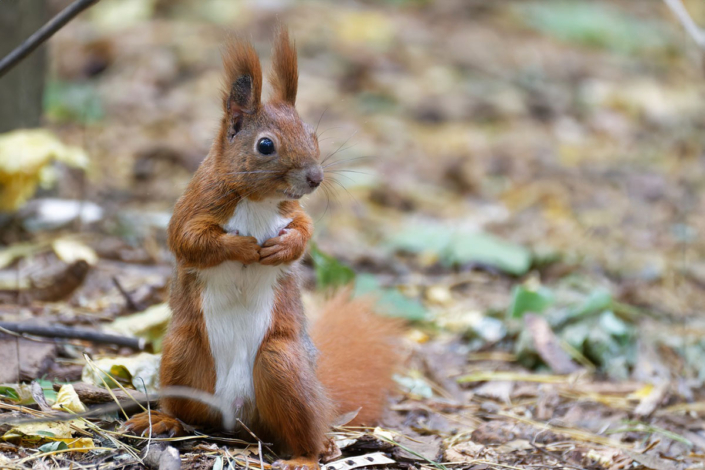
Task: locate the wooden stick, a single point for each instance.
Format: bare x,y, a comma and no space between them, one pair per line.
74,333
685,19
42,34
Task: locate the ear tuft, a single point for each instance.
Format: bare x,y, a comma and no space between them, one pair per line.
243,75
285,74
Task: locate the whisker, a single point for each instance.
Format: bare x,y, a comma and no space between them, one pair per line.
344,189
343,170
349,178
341,146
326,191
328,129
331,189
250,172
338,162
319,120
340,150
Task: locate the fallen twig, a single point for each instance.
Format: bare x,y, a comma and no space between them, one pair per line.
74,333
128,298
229,418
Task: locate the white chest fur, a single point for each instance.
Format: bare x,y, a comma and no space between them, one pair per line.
237,303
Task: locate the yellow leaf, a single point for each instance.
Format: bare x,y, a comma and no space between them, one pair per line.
25,159
149,324
37,432
642,393
70,251
18,250
83,444
67,399
140,371
418,336
385,435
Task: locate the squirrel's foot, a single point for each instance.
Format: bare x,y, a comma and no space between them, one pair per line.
297,463
331,451
162,424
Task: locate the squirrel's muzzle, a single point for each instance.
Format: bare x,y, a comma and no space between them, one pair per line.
304,180
314,176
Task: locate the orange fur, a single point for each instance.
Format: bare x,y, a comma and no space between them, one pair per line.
291,246
285,73
161,424
358,354
241,59
298,392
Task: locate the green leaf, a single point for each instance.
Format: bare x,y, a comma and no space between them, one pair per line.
458,246
53,446
73,102
330,272
488,249
594,24
526,300
9,392
613,325
605,340
576,335
48,389
422,238
390,302
600,299
45,433
414,384
121,372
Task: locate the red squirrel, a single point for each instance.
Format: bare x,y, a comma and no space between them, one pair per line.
238,329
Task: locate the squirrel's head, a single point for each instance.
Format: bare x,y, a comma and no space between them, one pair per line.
266,150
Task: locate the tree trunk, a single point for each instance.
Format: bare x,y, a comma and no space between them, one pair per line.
22,88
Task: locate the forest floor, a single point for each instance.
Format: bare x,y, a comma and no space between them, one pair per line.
521,181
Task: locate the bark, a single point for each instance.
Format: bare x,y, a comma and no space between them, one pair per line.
22,88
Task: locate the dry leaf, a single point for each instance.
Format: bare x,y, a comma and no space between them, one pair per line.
70,251
67,399
25,163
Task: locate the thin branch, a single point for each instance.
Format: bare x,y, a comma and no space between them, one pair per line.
42,34
131,304
74,333
222,406
689,25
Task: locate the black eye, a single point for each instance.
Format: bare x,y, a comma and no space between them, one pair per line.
265,146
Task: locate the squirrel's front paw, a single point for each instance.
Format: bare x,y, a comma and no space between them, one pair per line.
298,463
243,249
286,247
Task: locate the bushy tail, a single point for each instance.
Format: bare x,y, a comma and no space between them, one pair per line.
359,351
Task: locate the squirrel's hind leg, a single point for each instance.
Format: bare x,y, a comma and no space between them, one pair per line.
162,424
292,406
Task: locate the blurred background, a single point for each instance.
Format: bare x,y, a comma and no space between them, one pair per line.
521,180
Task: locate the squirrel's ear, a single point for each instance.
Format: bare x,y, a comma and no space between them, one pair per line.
285,74
243,84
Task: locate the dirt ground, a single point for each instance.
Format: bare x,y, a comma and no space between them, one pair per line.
521,181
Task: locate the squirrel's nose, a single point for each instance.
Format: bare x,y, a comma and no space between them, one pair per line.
314,177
